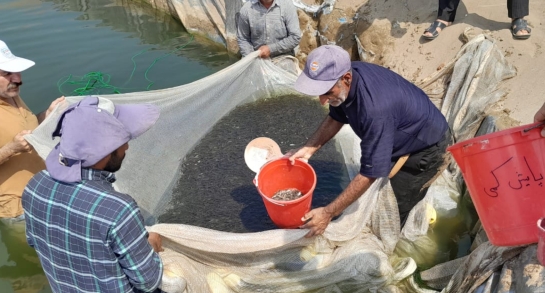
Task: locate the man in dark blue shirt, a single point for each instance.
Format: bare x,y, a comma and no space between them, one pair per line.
393,118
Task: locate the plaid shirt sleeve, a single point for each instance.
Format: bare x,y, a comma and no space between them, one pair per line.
129,241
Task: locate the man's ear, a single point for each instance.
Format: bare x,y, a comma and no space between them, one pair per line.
347,78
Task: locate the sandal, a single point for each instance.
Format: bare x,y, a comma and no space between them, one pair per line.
433,30
520,24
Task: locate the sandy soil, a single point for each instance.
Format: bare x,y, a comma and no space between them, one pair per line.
391,30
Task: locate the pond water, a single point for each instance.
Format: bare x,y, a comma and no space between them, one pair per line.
135,46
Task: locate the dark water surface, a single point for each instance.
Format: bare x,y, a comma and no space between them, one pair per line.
136,46
216,190
112,37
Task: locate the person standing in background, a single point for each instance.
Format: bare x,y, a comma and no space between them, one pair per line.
270,26
516,10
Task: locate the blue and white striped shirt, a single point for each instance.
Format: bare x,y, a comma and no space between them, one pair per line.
89,237
277,27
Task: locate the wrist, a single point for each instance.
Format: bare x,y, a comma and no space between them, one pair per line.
10,150
311,149
272,48
5,153
330,210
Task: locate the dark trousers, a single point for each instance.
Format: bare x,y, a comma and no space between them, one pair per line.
410,183
515,9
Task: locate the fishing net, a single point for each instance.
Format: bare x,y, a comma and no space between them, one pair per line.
357,252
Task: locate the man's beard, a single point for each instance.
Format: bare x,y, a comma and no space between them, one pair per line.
114,164
340,99
12,85
10,94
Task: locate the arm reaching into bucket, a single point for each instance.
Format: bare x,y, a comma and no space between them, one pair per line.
540,117
323,134
319,218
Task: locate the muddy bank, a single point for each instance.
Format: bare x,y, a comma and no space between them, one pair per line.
389,32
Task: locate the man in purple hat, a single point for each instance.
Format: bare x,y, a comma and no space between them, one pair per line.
89,237
393,118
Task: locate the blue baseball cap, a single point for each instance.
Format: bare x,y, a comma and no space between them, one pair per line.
92,129
324,66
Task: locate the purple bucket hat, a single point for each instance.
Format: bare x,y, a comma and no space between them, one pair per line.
92,129
324,66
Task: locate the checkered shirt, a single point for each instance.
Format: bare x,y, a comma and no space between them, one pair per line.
89,237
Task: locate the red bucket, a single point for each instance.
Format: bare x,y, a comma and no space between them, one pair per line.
541,242
504,172
278,175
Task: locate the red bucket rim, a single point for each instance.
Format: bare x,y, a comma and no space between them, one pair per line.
527,128
284,202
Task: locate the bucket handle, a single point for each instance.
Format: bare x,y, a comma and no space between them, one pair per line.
533,127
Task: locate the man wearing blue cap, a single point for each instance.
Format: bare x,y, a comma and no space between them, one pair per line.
393,118
89,237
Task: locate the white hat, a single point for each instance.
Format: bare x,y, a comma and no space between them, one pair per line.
12,63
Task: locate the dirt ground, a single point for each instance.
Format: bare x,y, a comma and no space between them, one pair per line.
390,30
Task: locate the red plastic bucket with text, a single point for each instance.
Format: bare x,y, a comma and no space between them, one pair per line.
279,175
504,172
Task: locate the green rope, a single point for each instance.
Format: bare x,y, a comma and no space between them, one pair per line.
96,82
90,83
155,61
134,66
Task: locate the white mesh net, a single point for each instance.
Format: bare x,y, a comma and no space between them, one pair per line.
356,252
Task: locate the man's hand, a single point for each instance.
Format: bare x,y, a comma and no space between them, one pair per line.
540,117
53,105
154,240
41,117
264,51
302,154
319,219
19,144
